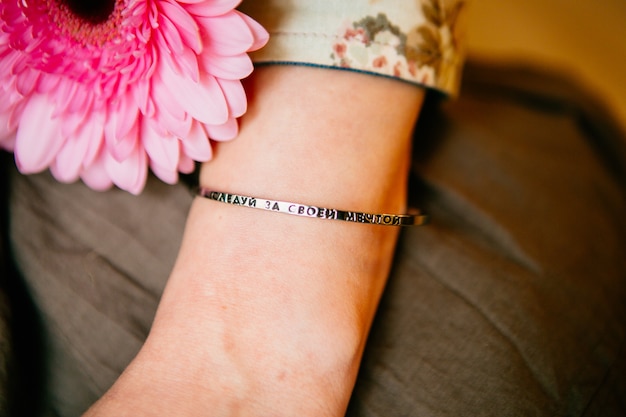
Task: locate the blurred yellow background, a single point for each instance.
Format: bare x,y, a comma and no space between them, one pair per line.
585,39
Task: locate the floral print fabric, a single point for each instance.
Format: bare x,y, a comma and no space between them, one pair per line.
413,40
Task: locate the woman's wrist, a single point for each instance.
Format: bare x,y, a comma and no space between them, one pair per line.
266,314
321,137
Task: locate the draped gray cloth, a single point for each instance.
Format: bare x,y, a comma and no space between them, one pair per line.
512,302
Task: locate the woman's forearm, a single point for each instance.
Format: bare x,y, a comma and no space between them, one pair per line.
264,313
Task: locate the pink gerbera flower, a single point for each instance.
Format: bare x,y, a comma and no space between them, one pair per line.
101,90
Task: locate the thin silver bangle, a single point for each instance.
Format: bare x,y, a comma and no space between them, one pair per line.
303,210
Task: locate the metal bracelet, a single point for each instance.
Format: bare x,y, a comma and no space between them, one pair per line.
304,210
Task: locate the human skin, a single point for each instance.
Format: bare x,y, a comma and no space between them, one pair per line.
267,314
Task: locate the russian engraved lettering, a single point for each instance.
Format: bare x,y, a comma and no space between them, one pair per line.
313,211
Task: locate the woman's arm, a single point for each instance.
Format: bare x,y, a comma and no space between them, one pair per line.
264,313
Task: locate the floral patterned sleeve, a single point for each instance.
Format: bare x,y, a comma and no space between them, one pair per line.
413,40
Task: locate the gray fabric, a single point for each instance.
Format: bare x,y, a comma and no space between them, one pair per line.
6,353
511,303
96,264
6,337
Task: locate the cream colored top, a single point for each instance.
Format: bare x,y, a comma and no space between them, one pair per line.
413,40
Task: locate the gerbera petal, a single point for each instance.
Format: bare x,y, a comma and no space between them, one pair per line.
223,132
64,93
95,174
39,140
203,100
104,102
68,164
124,116
9,98
187,61
129,174
233,67
184,24
79,150
120,147
81,101
141,95
5,129
15,115
171,39
169,117
168,176
165,100
178,128
7,135
258,32
62,173
48,83
7,141
9,60
71,123
162,150
27,81
196,144
210,7
93,130
186,165
73,120
228,34
235,96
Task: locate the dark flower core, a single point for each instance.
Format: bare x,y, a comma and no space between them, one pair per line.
92,11
88,22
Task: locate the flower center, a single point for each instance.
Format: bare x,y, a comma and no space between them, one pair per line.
92,22
93,11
